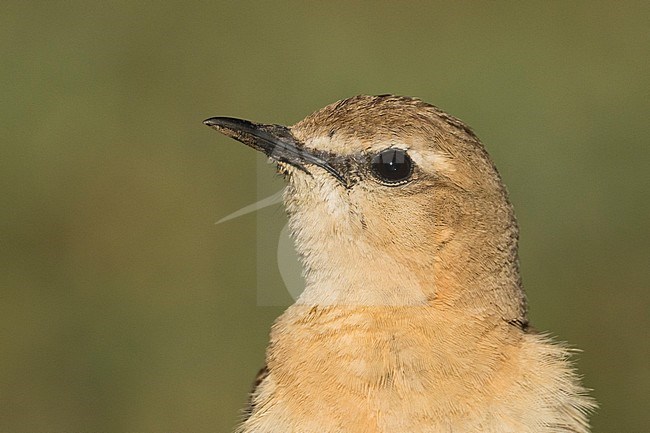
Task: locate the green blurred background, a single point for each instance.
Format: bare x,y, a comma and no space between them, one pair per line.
126,309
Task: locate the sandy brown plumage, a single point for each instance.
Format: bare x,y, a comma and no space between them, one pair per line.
413,318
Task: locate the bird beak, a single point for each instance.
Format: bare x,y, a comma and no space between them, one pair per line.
275,141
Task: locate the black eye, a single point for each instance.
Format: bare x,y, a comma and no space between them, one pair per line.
392,166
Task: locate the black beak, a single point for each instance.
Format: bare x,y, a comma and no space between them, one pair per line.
276,141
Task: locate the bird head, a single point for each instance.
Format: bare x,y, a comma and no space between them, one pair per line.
391,201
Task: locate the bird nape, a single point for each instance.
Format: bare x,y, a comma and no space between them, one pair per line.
413,317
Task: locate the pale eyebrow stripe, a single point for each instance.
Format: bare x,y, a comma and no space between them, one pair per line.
429,159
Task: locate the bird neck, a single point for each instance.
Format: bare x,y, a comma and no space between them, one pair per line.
462,276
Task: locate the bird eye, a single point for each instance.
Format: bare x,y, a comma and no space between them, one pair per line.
392,166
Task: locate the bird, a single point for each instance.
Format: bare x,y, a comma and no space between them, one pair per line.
413,317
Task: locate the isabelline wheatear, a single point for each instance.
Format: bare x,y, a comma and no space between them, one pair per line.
413,318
